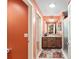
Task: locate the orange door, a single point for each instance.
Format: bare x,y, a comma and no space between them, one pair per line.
17,25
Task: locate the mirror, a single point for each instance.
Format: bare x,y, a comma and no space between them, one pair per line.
59,27
51,27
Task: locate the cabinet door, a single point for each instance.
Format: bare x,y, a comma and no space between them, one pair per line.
59,42
51,42
44,42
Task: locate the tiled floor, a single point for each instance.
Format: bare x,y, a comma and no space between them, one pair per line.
51,53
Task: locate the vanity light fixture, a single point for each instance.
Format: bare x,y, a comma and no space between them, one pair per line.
51,20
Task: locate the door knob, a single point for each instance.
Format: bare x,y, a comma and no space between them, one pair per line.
8,50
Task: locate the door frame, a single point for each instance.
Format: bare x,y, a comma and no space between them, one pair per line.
30,28
40,44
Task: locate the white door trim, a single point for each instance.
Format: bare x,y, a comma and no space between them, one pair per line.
30,29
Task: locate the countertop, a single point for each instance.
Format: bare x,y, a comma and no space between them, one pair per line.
53,35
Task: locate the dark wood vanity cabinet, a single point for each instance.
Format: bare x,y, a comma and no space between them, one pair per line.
51,42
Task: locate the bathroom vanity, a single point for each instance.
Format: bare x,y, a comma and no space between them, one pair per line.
52,42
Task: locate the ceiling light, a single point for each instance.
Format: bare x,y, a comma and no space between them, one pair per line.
51,5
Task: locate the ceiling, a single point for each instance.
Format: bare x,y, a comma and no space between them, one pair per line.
60,5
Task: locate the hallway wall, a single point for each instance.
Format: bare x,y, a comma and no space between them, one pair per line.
36,43
17,22
66,35
44,27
